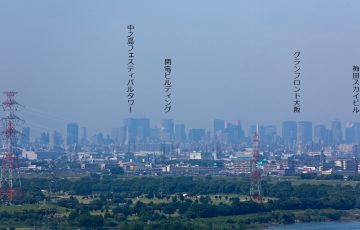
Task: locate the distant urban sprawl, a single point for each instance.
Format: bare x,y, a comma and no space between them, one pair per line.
138,148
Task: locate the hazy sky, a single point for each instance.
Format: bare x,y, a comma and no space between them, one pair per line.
231,60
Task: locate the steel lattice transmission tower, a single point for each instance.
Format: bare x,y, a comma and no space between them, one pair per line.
10,183
255,175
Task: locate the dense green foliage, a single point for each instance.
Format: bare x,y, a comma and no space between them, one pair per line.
118,201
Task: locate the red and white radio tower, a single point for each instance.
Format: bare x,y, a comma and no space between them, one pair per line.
255,176
10,179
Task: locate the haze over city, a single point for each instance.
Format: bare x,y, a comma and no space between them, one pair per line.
230,61
179,115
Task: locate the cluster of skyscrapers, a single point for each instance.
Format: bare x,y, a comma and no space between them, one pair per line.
137,134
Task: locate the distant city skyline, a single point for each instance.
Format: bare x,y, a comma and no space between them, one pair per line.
291,131
233,61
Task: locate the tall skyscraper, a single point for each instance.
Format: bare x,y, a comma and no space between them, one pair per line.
137,130
122,135
320,135
240,131
352,133
130,130
267,135
143,130
25,137
349,133
99,139
57,139
155,135
233,133
196,135
45,139
219,126
304,132
167,129
83,139
336,132
180,134
289,132
72,137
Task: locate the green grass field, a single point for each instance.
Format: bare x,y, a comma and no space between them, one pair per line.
30,207
296,181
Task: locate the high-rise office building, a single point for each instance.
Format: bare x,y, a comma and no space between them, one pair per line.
304,132
167,129
180,134
196,135
72,137
83,139
57,139
336,132
44,139
352,133
155,135
137,130
25,137
143,129
349,133
267,135
99,139
289,132
240,131
320,135
219,126
233,133
122,135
